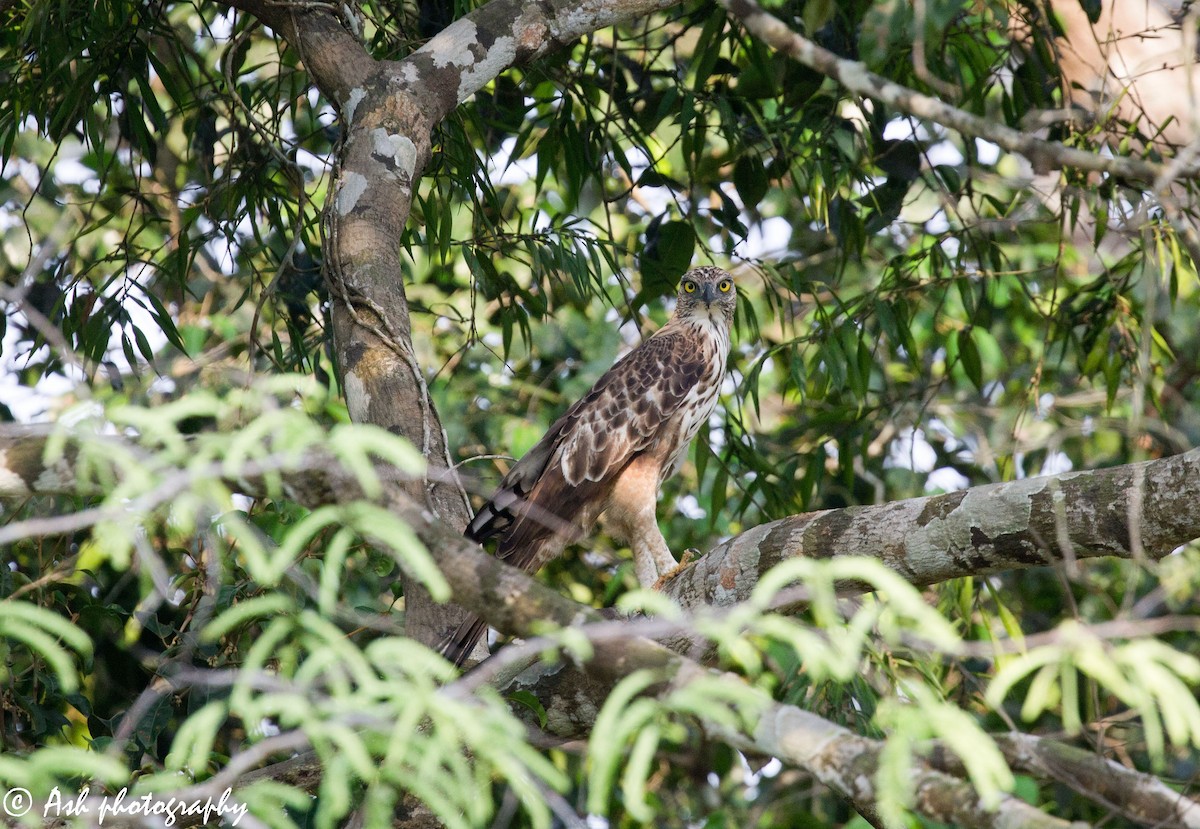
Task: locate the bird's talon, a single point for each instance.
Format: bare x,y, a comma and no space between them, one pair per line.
685,561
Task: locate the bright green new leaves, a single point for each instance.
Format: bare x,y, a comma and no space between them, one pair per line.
1152,678
58,766
833,642
188,480
639,717
623,718
265,580
378,718
193,744
913,718
833,645
358,519
47,635
360,446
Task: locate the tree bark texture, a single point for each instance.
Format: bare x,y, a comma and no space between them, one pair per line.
1127,511
1135,510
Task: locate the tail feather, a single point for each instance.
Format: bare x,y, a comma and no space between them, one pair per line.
459,645
495,516
534,525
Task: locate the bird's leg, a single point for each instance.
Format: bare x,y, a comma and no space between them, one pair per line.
643,567
664,559
630,516
652,559
651,555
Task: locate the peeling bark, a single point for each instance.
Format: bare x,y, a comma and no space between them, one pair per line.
1146,508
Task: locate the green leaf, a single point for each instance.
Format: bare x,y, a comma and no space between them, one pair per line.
666,255
527,700
268,605
750,179
604,745
968,355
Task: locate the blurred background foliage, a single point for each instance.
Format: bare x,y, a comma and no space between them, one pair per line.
919,312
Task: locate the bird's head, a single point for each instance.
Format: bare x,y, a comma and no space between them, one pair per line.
707,292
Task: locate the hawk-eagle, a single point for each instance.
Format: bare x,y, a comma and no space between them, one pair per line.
611,451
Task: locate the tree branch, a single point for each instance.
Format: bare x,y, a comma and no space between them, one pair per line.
854,76
1147,506
333,57
1140,797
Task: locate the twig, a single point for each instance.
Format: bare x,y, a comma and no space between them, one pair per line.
1042,154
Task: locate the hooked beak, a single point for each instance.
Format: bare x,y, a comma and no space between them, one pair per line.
709,294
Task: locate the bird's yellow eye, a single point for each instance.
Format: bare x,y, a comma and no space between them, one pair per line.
689,286
724,286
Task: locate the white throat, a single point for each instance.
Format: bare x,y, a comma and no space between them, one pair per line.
710,322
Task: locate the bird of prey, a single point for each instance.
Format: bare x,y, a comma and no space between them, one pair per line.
611,451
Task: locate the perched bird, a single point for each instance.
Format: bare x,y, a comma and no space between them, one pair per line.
614,447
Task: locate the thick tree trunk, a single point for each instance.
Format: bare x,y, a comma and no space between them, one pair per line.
388,111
